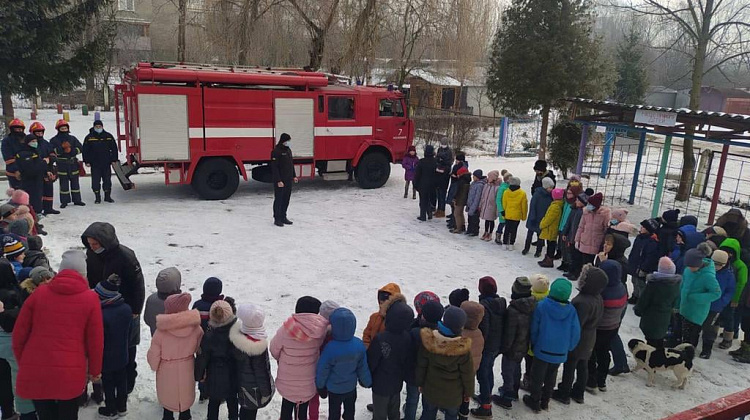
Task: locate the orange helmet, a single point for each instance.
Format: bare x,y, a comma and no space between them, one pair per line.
61,123
36,126
17,123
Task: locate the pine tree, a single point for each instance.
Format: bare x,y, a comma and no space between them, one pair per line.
50,45
632,82
543,51
565,137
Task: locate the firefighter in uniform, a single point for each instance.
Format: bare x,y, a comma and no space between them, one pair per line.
99,151
67,148
13,143
282,168
34,167
46,152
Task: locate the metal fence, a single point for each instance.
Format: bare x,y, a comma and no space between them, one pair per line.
611,169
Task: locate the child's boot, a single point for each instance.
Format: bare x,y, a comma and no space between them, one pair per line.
743,348
535,406
727,340
499,238
706,352
547,262
560,397
484,411
97,396
526,382
503,401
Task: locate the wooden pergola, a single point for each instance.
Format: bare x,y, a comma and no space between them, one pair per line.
714,127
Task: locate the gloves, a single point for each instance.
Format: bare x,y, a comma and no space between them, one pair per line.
114,279
323,393
502,213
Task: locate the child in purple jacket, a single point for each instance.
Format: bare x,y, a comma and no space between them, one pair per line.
409,163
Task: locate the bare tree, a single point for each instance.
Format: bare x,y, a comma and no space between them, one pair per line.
411,24
716,33
318,16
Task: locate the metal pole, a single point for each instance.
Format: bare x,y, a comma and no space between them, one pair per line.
582,148
717,187
662,176
638,160
501,138
606,154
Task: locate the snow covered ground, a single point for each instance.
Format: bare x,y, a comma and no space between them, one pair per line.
346,243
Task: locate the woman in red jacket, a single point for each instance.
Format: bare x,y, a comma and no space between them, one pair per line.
57,339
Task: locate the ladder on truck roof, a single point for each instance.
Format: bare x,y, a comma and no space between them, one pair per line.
190,73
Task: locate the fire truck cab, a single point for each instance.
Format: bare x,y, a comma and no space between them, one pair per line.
207,125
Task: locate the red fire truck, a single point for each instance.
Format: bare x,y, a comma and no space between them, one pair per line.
206,126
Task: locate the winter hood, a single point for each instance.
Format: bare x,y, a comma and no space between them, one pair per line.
733,222
556,310
436,343
69,282
343,324
734,245
663,278
592,281
306,327
614,289
103,232
246,344
525,305
621,243
180,324
474,314
395,297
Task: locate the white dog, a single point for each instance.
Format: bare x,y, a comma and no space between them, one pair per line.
678,359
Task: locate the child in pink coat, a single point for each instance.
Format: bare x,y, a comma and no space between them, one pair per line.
296,346
173,346
592,229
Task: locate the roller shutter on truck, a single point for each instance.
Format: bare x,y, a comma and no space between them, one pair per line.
163,124
295,117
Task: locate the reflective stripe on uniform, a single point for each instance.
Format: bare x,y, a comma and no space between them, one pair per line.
75,191
64,192
75,173
47,198
10,161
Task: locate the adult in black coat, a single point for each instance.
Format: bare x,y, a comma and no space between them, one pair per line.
46,153
492,331
33,166
444,161
104,257
13,143
389,358
424,182
540,168
589,306
282,170
216,363
11,297
668,232
99,151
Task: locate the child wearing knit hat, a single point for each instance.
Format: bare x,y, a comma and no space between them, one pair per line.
644,257
549,227
660,294
727,283
698,290
251,360
429,313
14,251
492,330
515,341
173,346
515,209
117,317
555,331
213,365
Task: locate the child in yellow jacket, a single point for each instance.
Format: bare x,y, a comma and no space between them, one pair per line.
549,227
515,209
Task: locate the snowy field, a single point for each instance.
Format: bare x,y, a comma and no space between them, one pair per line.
346,243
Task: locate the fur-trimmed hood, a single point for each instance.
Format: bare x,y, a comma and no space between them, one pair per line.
395,297
180,324
434,342
28,286
245,344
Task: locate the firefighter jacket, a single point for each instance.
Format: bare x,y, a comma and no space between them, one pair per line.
99,149
11,145
66,148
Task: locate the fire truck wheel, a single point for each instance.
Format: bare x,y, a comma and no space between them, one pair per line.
373,170
216,179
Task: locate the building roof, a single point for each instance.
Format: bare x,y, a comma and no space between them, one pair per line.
435,79
708,124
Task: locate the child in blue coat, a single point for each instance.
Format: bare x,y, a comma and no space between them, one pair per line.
727,284
472,204
555,331
342,363
117,316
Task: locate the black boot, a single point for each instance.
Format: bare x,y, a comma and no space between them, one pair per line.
63,205
535,406
97,395
97,198
706,352
108,197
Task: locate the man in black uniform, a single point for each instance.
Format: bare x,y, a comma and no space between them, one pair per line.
13,143
99,151
282,168
46,152
105,257
34,167
67,148
424,182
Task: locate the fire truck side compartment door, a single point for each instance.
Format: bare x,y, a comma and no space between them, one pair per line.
163,122
295,117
